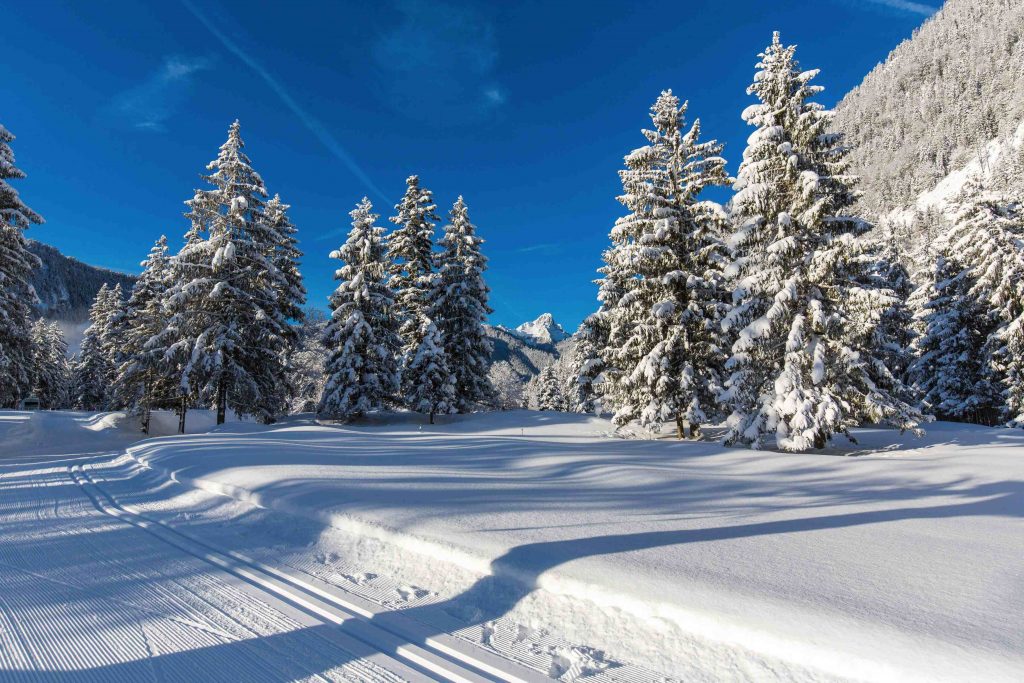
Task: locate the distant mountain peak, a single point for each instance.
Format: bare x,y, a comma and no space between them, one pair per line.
544,330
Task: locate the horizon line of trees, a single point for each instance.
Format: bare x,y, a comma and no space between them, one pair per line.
782,312
221,323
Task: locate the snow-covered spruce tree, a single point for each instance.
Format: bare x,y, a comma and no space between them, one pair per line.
95,370
799,368
970,364
227,334
585,365
411,267
360,338
143,381
51,374
291,295
664,327
950,371
459,309
430,380
549,390
16,294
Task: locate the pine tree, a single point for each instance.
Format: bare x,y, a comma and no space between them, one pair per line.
51,374
664,349
16,294
411,256
291,293
360,337
430,380
142,379
950,371
95,369
585,365
799,368
970,365
459,309
227,334
549,391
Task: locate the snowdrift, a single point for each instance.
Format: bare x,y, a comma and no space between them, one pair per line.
697,560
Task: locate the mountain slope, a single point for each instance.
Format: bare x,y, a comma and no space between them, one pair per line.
936,102
66,287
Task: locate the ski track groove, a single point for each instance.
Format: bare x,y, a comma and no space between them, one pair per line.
78,619
297,592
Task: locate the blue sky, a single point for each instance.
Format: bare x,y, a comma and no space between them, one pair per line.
526,108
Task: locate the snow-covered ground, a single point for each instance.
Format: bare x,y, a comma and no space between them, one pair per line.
500,544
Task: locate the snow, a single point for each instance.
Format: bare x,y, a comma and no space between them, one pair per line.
543,330
689,559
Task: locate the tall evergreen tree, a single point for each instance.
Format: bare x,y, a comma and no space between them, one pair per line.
411,256
143,381
585,365
799,368
16,294
549,391
459,308
664,348
970,363
95,369
360,337
229,331
431,382
51,374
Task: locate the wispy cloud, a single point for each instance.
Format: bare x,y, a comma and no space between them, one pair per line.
904,6
546,248
438,61
308,120
151,104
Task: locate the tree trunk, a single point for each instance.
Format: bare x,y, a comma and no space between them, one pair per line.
222,399
431,417
181,415
680,429
695,430
145,408
819,440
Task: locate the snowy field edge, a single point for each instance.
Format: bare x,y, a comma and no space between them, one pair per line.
666,634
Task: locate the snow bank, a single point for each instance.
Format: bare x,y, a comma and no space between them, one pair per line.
697,560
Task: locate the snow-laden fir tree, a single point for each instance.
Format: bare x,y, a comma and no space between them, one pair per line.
411,268
459,309
16,294
51,373
360,338
549,390
950,370
431,383
800,371
143,381
96,369
585,365
970,364
291,295
227,334
664,340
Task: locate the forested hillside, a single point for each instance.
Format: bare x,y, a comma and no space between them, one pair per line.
66,287
932,106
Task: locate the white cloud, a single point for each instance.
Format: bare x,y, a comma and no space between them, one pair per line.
149,105
905,6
